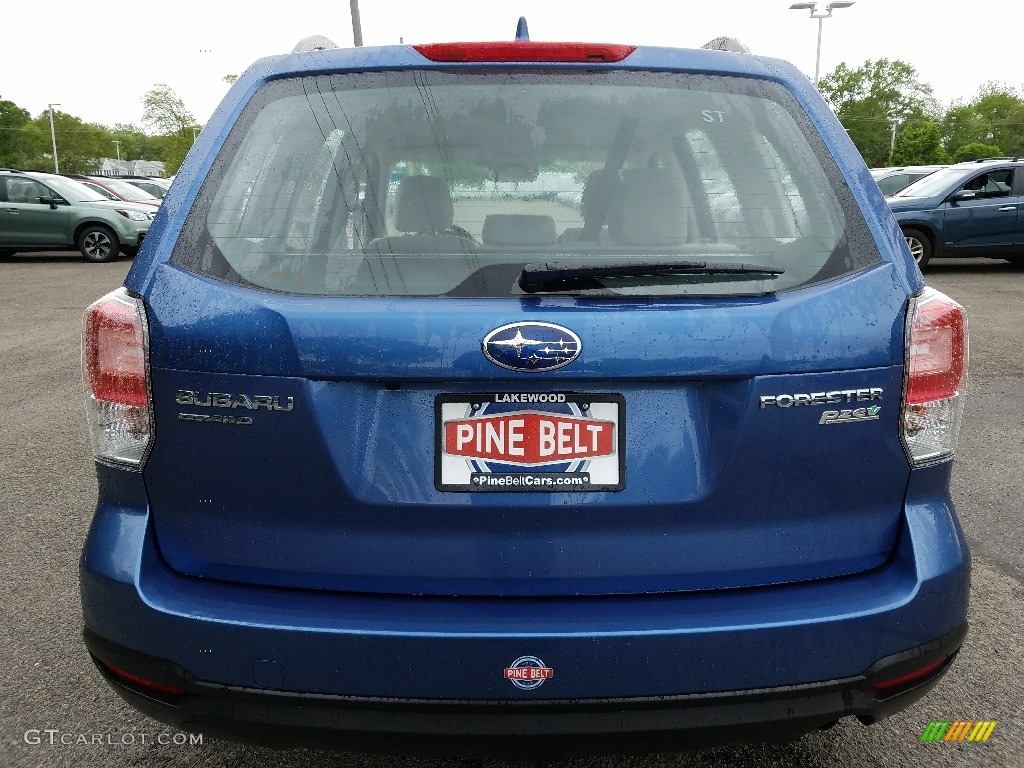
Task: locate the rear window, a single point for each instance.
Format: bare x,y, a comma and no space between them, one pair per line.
890,185
435,183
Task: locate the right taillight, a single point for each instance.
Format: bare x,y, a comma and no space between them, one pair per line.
936,375
116,378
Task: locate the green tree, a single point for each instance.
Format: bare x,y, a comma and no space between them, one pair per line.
80,145
976,151
1002,108
136,144
920,144
20,141
962,125
873,98
994,117
165,114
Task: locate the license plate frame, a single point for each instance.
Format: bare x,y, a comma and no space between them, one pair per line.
584,432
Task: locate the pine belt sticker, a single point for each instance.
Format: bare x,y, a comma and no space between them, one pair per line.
528,672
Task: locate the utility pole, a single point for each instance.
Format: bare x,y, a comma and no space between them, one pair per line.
53,138
357,29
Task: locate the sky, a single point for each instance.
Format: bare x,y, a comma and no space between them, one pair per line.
98,59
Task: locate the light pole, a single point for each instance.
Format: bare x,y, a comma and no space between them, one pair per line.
117,146
53,138
357,27
820,16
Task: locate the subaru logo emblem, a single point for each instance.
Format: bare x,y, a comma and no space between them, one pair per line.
531,347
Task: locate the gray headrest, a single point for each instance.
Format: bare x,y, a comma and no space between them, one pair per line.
600,187
649,210
423,204
518,229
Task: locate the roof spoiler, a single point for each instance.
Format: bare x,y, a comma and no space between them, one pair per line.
726,44
313,43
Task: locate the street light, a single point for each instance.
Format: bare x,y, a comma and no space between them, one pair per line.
117,146
53,138
820,15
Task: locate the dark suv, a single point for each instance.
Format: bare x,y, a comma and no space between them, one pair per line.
523,398
968,209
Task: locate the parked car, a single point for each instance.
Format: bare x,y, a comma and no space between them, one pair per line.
892,180
116,189
42,211
968,209
657,458
156,187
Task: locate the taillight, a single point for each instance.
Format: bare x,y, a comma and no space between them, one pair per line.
526,50
117,403
936,376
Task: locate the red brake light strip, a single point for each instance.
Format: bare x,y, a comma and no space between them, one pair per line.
526,51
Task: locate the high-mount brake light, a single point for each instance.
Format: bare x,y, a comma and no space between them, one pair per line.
116,381
936,376
526,51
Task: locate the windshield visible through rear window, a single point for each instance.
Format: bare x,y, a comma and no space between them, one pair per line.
437,183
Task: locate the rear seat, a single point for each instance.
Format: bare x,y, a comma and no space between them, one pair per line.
515,231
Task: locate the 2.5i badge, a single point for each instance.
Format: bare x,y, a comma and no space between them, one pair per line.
530,442
850,415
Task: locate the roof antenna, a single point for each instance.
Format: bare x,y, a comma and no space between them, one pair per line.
522,33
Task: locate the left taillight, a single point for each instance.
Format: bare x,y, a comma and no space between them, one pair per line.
115,374
936,376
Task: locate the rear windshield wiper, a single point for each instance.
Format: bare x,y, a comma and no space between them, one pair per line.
537,276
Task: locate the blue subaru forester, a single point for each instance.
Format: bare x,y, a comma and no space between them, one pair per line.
523,398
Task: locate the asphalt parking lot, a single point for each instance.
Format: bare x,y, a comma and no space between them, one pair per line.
55,710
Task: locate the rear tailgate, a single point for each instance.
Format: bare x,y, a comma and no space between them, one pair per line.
757,439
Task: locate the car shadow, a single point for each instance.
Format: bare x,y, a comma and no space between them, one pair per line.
973,266
50,257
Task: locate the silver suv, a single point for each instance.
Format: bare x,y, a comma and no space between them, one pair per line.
41,211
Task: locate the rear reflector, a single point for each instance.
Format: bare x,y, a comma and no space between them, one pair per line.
142,682
115,377
936,376
909,678
526,51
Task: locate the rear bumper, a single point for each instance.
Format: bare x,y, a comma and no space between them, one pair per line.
524,729
296,667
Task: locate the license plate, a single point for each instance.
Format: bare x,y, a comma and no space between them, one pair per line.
546,442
